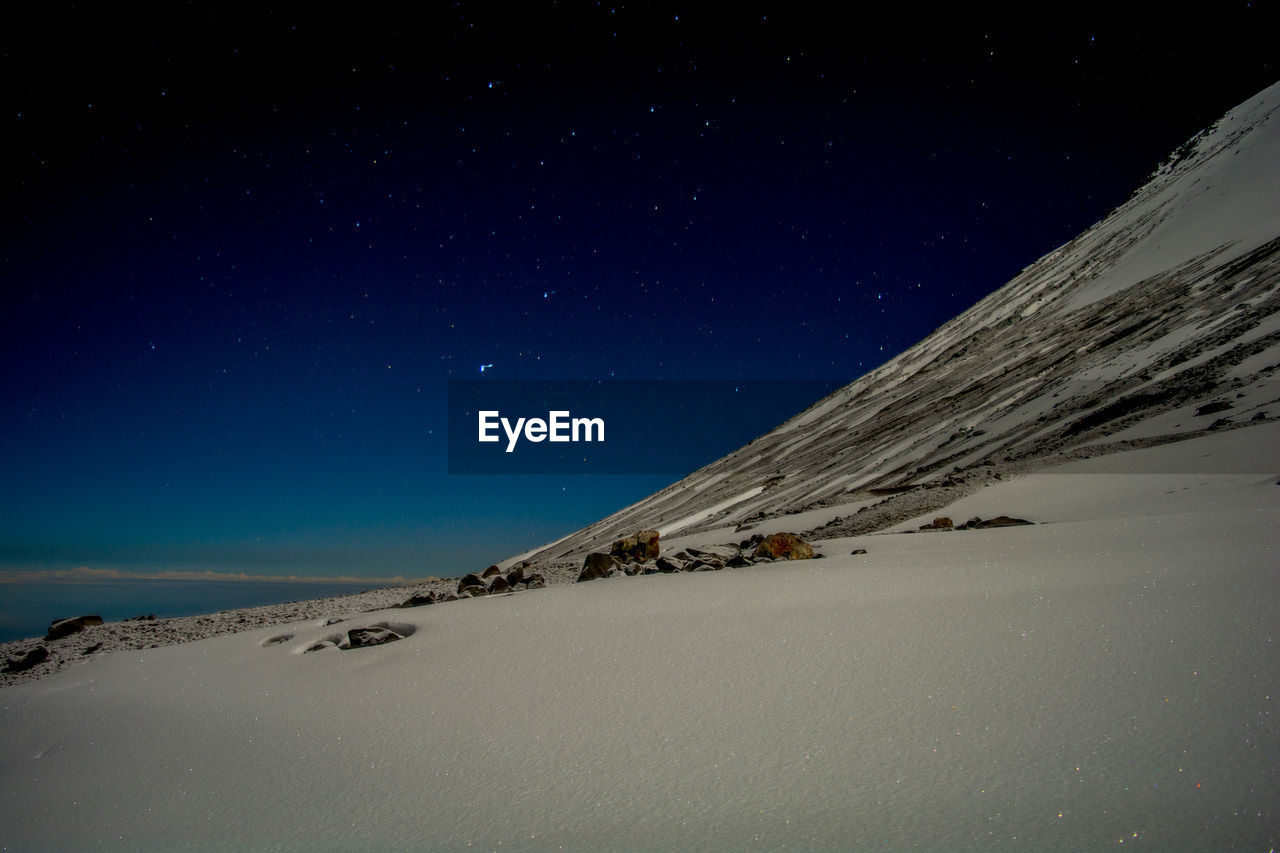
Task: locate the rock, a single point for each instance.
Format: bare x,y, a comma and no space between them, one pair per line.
60,628
1220,423
419,600
738,561
856,551
516,575
95,647
1260,416
597,565
1001,521
973,522
756,539
374,636
470,580
535,581
641,547
942,523
669,564
32,657
718,552
633,569
334,621
150,617
450,597
785,546
475,590
498,584
491,571
1211,408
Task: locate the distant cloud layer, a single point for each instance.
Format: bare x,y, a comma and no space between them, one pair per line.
84,574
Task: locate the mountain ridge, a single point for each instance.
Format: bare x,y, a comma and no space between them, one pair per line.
1168,304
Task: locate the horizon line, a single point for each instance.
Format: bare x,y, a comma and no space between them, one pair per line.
85,574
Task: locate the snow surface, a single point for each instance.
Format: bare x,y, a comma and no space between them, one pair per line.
1105,676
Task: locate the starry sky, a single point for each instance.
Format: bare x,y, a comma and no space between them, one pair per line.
245,248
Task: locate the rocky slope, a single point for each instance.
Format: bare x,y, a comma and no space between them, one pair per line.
1159,322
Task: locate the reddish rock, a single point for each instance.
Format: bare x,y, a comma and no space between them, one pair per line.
783,546
641,547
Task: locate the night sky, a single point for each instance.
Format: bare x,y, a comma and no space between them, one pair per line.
244,250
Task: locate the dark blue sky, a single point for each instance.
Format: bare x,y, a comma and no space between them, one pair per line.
245,249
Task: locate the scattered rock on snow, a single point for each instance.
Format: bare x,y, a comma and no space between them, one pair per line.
858,551
498,584
597,565
1211,408
373,636
472,579
640,547
1001,521
60,628
785,546
22,663
491,571
670,564
419,600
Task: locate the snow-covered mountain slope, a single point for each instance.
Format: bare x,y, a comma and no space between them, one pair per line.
1170,304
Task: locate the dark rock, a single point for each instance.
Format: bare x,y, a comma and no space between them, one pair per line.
475,590
785,546
1212,408
670,564
739,561
419,600
498,584
22,663
597,565
150,617
858,551
491,571
60,628
1260,416
92,649
1001,521
1220,423
641,547
450,597
472,579
942,523
682,556
535,581
334,621
361,638
516,575
633,569
756,539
